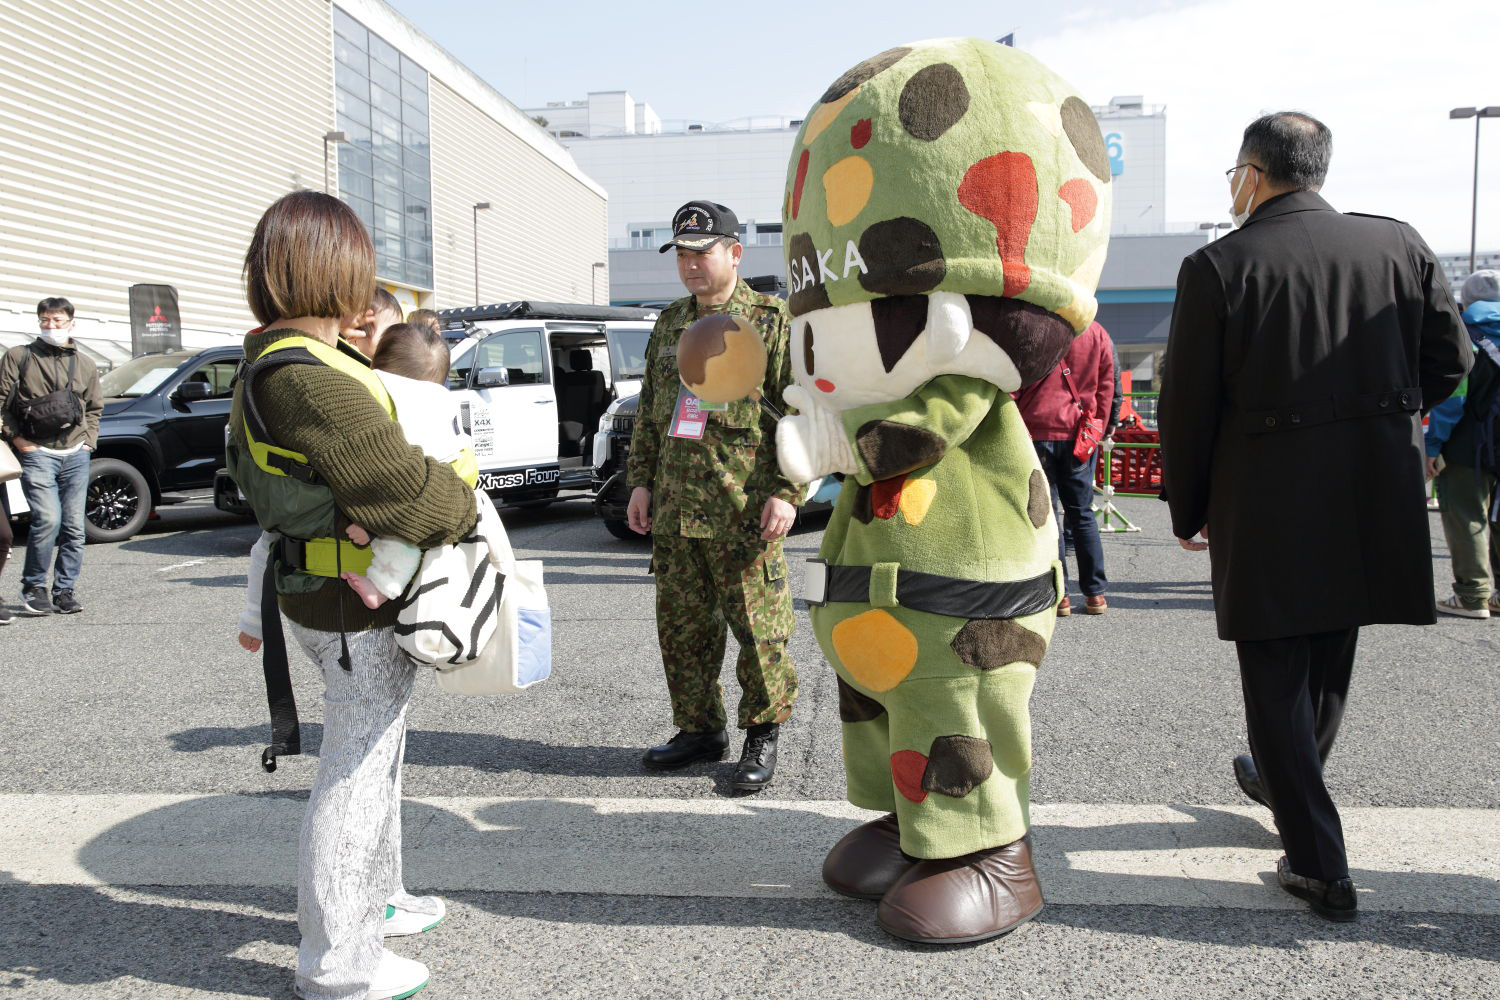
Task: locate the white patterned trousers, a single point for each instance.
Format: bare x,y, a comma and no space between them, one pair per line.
349,862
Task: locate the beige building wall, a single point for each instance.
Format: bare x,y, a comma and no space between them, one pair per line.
543,232
140,141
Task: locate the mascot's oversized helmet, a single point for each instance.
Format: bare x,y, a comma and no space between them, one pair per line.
947,211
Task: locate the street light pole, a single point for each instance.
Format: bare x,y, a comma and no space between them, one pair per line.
594,282
1475,113
479,206
330,139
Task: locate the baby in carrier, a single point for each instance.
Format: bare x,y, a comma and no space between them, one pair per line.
411,361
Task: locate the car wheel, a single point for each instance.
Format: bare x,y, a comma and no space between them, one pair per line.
118,501
621,530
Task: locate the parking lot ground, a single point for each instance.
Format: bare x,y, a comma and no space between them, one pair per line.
146,854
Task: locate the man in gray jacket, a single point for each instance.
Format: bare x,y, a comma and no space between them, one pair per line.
50,416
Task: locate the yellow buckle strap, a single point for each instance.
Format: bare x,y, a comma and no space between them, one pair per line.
320,559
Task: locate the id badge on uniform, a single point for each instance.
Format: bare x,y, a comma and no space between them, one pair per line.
689,418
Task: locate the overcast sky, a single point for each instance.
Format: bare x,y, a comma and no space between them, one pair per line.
1382,75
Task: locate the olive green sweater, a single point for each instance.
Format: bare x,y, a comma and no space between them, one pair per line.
378,480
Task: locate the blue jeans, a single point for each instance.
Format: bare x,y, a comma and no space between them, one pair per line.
56,487
1074,482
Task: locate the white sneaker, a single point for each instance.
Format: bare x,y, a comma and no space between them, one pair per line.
1451,605
399,922
396,977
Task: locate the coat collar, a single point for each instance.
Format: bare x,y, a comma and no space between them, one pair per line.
1286,204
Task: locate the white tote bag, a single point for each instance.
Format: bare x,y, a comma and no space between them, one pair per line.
478,614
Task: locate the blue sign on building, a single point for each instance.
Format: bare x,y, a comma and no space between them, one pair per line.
1114,145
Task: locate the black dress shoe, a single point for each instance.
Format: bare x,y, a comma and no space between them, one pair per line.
1248,778
686,748
1330,900
758,763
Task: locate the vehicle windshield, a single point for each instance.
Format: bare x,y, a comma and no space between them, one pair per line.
627,352
139,376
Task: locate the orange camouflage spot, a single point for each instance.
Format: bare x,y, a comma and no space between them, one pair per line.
876,649
847,186
916,499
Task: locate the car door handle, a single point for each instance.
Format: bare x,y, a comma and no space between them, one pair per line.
541,402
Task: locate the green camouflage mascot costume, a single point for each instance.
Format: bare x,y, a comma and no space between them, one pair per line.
947,217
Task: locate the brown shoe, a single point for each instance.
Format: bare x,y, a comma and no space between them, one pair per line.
958,900
1095,605
868,860
1065,608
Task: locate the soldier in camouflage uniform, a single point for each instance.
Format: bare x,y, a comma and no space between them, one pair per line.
705,481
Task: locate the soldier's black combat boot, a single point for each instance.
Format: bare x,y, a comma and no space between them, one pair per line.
686,748
758,763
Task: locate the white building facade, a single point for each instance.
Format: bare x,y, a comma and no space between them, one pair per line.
649,172
166,127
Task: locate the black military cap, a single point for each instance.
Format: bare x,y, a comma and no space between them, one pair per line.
698,225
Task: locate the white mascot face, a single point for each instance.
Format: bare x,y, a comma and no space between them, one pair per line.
875,352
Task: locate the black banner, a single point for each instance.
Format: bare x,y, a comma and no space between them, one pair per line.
154,323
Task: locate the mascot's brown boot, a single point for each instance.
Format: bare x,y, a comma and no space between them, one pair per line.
868,861
969,898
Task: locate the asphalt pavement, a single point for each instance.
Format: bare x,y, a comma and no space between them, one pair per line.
146,854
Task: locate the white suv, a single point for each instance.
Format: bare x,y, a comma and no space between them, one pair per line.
534,379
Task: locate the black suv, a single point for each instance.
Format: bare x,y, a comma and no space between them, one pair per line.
611,451
161,433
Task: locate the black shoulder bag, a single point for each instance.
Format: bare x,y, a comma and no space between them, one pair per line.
45,417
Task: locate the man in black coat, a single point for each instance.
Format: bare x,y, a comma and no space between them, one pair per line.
1303,348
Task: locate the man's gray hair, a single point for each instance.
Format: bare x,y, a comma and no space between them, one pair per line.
1292,148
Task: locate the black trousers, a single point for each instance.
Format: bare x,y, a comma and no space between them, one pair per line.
1294,699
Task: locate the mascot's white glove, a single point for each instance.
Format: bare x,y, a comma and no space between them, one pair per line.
811,442
393,565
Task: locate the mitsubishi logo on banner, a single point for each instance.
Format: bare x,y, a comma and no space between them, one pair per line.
154,323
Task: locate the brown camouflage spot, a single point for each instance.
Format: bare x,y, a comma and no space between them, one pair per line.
991,643
1083,132
1033,338
899,321
1039,500
904,257
802,258
871,67
856,707
957,764
863,509
933,101
889,448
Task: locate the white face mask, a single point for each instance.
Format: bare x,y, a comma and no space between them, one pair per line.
1239,217
56,336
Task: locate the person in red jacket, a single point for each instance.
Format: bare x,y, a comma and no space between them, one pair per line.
1083,381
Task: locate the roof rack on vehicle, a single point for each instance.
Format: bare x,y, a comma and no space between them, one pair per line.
525,309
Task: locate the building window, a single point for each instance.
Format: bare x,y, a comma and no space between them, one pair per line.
385,173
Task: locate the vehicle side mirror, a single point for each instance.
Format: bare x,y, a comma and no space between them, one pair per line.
188,392
490,378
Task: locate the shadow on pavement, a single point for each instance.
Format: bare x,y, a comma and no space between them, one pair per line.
1161,596
429,748
82,935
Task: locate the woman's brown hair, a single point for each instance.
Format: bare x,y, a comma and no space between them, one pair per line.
412,350
310,256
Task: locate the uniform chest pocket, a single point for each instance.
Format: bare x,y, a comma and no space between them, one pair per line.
742,415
